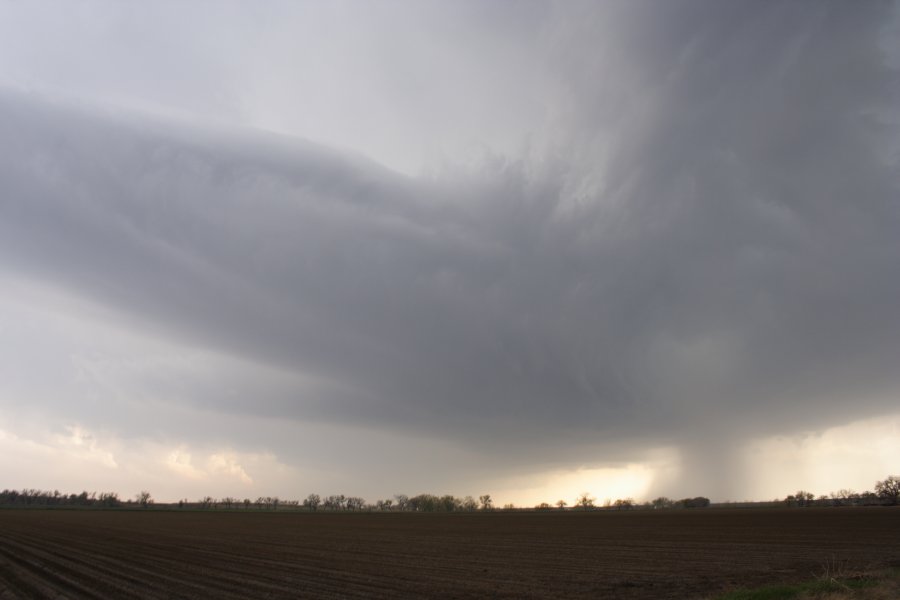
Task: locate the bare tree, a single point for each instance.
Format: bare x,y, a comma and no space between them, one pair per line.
402,501
143,498
624,503
844,497
800,498
110,499
486,502
312,502
889,489
561,504
335,502
585,501
449,503
662,502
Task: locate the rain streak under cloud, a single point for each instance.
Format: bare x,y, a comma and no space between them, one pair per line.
528,248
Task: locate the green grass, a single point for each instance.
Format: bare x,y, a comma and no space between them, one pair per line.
809,589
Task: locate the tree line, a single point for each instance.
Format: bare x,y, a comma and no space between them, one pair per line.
886,492
337,502
35,497
340,502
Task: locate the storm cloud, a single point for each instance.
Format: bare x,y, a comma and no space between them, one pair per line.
686,236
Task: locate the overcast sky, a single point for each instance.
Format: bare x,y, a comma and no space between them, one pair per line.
523,248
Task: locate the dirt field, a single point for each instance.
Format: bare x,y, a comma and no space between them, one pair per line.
640,554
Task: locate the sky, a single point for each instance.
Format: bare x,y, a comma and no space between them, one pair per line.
531,248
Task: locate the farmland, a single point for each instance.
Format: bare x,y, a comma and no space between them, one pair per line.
261,554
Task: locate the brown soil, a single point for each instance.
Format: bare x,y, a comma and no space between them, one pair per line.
639,554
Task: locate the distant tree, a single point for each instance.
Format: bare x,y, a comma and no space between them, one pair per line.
662,502
402,501
509,506
108,499
355,503
247,503
561,504
585,501
449,503
486,502
143,498
624,503
312,502
698,502
889,490
844,497
542,506
868,498
800,498
425,503
469,504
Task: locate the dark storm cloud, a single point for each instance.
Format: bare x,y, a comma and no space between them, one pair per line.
747,209
701,244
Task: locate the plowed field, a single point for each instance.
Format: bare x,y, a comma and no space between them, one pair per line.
639,554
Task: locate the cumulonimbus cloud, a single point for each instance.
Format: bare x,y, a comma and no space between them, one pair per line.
701,244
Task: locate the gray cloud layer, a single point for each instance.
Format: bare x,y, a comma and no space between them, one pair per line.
699,245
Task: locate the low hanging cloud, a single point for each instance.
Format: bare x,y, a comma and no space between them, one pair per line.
698,247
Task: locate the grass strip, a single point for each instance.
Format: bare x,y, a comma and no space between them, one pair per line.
808,589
